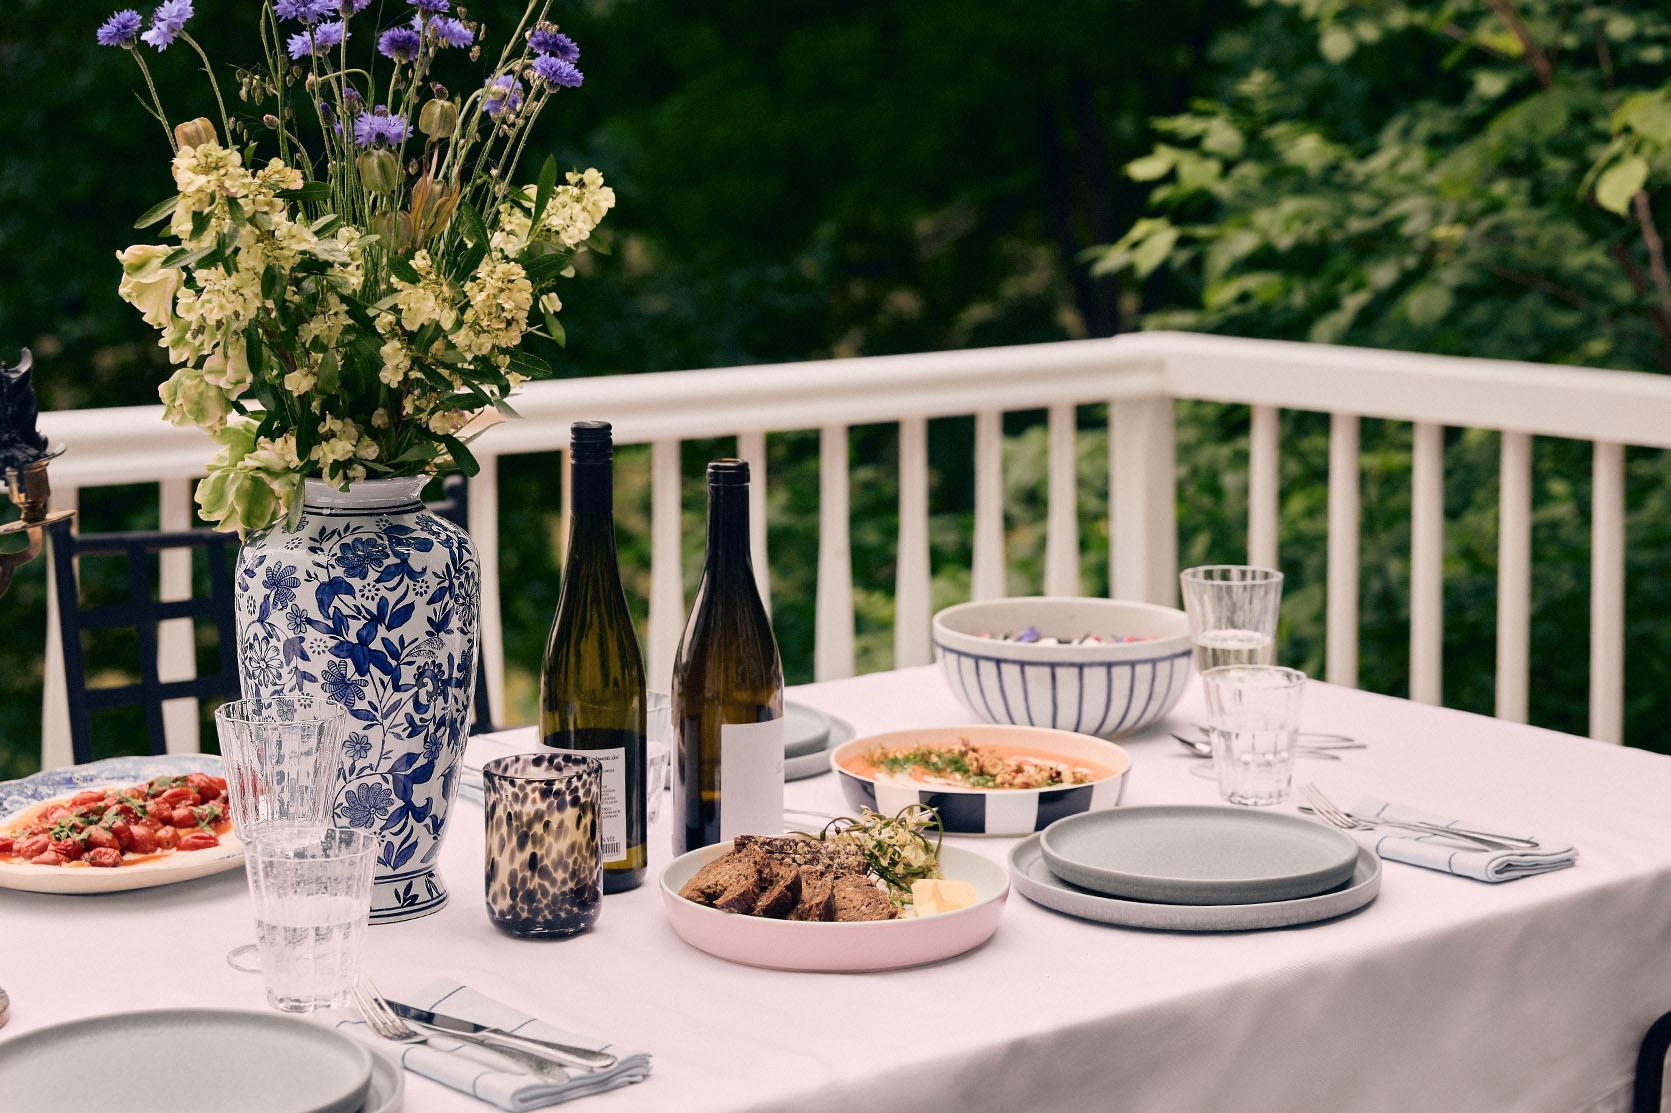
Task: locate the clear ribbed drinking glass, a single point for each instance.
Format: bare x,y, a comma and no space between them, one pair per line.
1253,718
312,890
1232,614
282,756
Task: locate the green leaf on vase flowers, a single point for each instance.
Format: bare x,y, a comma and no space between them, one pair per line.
470,258
307,191
157,212
543,269
559,335
470,224
505,408
461,456
542,193
271,280
330,373
403,270
199,223
185,256
525,364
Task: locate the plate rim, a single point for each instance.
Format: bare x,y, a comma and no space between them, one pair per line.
1354,897
1135,883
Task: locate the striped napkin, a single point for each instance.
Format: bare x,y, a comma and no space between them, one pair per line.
1436,852
491,1077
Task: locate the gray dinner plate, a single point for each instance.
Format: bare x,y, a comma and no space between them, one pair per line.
1033,879
1193,854
805,729
252,1062
818,761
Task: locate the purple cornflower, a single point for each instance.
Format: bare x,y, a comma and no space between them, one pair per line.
121,29
451,32
400,44
555,71
324,37
430,5
549,40
354,7
371,128
504,94
167,22
304,11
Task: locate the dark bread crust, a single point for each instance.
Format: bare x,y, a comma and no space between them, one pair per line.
858,898
791,879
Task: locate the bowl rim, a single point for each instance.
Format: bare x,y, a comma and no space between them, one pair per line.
946,637
1121,754
999,871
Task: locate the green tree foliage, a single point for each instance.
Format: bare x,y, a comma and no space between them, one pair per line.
1476,177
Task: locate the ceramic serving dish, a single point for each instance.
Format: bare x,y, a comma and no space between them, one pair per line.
986,811
1105,689
828,947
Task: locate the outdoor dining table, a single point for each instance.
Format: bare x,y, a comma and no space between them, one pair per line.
1443,994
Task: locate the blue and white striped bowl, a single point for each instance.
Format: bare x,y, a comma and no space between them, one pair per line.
1107,690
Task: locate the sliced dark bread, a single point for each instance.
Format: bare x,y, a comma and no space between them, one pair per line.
835,856
858,898
780,892
731,881
817,901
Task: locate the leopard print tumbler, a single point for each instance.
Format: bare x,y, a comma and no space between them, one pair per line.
544,866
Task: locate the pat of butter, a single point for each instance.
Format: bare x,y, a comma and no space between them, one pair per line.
937,895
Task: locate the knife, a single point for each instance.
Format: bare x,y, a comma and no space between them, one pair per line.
498,1037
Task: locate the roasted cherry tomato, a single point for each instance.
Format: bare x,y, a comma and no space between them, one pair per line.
198,840
6,844
179,795
104,856
143,840
184,817
167,838
47,859
99,837
33,845
67,849
81,798
204,785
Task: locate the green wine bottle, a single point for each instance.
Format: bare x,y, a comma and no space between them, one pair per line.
592,678
727,688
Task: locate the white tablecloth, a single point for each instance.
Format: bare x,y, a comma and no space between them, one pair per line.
1445,994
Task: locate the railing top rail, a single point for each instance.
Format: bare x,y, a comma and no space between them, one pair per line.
131,444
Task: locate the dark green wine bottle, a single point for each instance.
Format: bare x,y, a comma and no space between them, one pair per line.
727,688
592,678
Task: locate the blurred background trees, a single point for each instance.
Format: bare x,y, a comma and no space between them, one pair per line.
866,177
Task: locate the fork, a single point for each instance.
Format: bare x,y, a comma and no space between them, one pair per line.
387,1024
1324,808
1200,747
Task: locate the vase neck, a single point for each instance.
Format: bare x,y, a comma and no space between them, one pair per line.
380,495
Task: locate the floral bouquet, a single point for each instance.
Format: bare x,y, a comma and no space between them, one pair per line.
354,306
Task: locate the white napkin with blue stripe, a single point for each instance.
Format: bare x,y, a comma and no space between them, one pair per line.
493,1078
1448,855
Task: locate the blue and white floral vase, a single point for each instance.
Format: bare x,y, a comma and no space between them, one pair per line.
371,602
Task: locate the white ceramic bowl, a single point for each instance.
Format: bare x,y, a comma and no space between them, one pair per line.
987,811
1106,690
840,948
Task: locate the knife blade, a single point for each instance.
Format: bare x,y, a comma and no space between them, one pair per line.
575,1056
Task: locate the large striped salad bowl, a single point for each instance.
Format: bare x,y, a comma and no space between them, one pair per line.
1015,661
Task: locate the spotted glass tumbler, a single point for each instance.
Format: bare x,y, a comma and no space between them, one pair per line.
544,866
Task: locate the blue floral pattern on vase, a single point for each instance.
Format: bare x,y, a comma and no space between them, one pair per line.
371,602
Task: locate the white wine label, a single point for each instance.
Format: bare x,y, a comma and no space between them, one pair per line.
612,813
751,778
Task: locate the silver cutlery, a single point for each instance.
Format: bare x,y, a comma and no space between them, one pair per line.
1330,741
386,1024
1200,747
567,1054
1325,809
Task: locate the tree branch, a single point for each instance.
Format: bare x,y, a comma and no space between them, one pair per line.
1534,53
1604,53
1542,285
1656,248
1639,283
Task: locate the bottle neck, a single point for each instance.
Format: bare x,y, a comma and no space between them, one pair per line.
592,505
728,547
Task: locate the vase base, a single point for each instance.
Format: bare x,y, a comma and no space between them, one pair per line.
409,895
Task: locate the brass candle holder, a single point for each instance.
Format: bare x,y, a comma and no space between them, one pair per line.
24,456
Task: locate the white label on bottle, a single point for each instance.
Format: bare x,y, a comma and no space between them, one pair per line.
751,778
612,809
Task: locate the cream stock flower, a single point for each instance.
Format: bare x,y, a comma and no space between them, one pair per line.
147,285
428,300
499,296
397,364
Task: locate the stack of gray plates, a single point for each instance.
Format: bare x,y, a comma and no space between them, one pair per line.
1195,868
808,736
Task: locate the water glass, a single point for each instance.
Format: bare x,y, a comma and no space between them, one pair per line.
544,865
312,891
1253,718
1232,614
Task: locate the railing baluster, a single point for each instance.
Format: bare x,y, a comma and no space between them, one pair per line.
483,516
176,648
1340,644
1264,486
1514,575
1061,539
832,655
1427,563
565,511
988,579
1143,526
57,748
912,578
667,589
1607,593
752,448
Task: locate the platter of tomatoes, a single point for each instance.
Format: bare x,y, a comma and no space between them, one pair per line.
172,825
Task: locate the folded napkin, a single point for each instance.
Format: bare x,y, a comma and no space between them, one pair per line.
484,748
492,1078
1437,852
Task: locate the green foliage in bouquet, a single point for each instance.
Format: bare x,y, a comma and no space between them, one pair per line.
354,306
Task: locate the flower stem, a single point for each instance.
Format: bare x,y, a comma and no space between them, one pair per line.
225,120
173,147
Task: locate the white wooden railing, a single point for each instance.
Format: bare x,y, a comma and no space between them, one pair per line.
1137,375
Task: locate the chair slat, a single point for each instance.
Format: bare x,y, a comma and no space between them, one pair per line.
1264,486
987,579
833,629
1607,593
1061,540
912,577
1514,576
1427,563
1340,647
